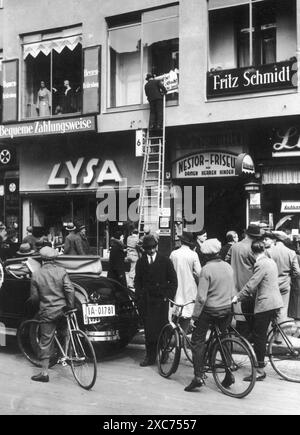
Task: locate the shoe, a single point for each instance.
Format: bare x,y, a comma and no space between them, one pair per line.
194,384
258,378
228,380
40,378
147,362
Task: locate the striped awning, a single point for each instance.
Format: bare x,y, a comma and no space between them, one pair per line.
280,175
47,46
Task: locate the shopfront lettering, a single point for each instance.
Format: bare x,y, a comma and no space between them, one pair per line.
48,127
288,140
206,164
84,172
262,78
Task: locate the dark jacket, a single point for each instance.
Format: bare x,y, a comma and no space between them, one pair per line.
116,265
31,240
154,90
294,303
154,284
82,245
70,244
51,285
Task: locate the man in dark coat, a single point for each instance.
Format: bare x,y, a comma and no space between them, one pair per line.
52,288
82,245
155,282
30,238
116,265
155,91
70,241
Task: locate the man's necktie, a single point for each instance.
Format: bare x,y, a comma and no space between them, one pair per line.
151,260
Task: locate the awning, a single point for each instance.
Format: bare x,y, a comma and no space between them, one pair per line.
281,176
56,44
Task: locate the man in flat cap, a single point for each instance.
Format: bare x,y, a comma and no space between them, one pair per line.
52,288
155,282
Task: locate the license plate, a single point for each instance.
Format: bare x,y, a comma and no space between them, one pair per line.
94,311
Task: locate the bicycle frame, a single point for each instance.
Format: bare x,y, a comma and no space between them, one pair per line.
276,327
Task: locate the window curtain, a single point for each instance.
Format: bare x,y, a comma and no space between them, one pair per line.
46,47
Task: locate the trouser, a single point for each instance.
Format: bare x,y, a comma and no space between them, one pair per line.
248,311
199,337
133,258
283,313
47,330
260,330
156,113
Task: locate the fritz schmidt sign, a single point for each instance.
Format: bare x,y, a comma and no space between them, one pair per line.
282,75
46,127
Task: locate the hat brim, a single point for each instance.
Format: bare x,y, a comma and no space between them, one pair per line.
25,253
255,235
187,242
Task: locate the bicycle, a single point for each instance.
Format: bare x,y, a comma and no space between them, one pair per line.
79,352
227,356
283,348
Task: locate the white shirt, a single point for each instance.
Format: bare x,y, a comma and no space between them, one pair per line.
153,256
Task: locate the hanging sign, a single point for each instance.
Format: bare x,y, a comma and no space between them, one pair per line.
245,165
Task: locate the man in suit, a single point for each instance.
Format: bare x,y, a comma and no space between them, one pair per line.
155,282
52,288
263,287
70,241
155,91
81,243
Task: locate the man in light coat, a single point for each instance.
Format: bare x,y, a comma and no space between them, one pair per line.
187,266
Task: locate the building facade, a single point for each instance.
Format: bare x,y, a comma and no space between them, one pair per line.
73,102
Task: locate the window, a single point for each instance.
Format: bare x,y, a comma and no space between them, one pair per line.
1,85
273,35
52,74
149,43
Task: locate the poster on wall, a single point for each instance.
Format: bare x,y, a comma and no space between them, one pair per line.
10,98
91,81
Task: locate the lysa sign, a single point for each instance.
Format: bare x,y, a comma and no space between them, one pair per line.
206,164
282,75
83,173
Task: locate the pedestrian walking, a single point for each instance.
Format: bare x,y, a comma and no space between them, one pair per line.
231,238
294,303
81,243
155,91
263,287
116,263
242,260
187,267
288,267
70,247
155,282
132,255
213,305
201,236
52,288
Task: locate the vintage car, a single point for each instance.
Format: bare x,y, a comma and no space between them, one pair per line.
106,310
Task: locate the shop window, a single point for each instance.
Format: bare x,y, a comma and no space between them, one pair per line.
150,43
272,37
52,78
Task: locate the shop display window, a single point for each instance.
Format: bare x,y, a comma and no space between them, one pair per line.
52,74
252,34
145,43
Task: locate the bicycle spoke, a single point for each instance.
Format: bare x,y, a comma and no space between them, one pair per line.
168,351
82,358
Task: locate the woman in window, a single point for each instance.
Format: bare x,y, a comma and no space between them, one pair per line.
44,101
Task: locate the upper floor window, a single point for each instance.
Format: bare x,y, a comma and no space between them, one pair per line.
253,33
52,73
139,44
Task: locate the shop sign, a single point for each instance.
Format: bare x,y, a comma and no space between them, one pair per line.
38,128
245,165
288,144
91,82
276,76
207,164
10,90
84,172
170,81
140,142
290,206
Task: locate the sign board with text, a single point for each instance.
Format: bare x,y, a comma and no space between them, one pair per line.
92,79
10,98
290,207
262,78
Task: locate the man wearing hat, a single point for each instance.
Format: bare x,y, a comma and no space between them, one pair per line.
242,260
155,90
52,288
288,267
213,305
201,236
187,266
70,241
81,243
155,282
30,238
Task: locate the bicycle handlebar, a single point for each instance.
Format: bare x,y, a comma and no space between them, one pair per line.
180,305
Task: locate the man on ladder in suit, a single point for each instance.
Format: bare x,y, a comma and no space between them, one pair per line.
155,91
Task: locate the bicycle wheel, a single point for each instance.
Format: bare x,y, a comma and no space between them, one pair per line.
168,351
82,358
28,337
187,349
231,362
284,351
